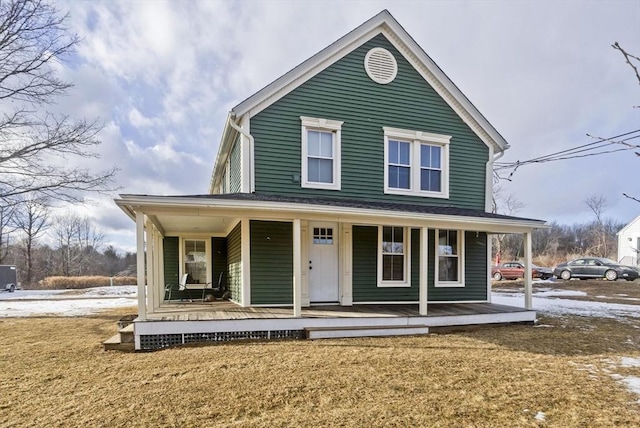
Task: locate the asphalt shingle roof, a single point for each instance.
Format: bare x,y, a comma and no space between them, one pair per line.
349,203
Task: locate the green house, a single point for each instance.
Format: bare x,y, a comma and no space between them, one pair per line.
358,181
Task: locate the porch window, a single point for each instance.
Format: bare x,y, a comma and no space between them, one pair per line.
450,265
195,260
393,256
320,163
416,163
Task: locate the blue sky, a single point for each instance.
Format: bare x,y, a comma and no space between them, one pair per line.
162,76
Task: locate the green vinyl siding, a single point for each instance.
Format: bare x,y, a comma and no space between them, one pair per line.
219,261
344,92
271,262
170,251
365,264
234,263
235,167
365,269
475,269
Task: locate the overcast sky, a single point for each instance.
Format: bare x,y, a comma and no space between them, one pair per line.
162,77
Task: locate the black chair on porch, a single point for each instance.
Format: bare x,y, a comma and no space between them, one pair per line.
217,290
178,288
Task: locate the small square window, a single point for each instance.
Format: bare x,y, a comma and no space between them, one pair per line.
322,235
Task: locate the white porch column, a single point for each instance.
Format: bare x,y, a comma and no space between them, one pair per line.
297,270
528,300
157,269
424,266
142,294
151,270
245,254
346,298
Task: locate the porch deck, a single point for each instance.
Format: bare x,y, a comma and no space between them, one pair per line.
186,322
225,310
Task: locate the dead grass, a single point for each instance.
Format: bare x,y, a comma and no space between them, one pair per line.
55,374
78,282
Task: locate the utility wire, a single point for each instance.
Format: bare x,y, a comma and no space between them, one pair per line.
573,152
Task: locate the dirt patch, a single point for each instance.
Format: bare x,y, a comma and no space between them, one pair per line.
55,374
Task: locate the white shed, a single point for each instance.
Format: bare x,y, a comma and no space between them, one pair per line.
629,243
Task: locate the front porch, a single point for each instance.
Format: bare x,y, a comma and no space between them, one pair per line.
191,323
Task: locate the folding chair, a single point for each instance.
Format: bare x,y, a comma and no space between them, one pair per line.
182,286
218,288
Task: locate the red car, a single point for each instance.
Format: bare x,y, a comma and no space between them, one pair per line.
515,270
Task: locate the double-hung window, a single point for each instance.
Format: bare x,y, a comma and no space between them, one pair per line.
450,264
416,163
393,256
195,253
320,153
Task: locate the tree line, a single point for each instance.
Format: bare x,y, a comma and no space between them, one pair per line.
41,244
559,243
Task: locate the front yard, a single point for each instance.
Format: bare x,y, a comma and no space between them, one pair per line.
567,371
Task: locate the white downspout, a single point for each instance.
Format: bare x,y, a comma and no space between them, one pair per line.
252,178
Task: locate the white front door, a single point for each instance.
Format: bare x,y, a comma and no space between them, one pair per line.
323,262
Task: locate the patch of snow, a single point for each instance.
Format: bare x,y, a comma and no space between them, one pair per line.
543,326
60,307
540,416
552,306
120,290
26,303
560,293
629,362
631,382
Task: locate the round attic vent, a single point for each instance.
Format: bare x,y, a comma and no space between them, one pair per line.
380,65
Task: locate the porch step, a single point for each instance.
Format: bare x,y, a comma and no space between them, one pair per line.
114,343
123,341
364,331
126,334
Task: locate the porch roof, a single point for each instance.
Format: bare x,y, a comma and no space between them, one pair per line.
167,209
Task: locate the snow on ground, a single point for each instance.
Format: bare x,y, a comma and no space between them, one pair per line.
547,303
26,303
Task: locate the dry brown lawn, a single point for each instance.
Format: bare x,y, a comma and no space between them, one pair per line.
54,373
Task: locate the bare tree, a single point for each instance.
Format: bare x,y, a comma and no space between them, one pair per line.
630,59
597,204
78,242
7,227
32,221
36,145
506,245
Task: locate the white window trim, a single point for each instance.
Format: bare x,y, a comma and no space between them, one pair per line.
407,259
461,261
207,249
416,138
324,125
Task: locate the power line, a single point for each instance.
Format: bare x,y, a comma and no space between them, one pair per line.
575,152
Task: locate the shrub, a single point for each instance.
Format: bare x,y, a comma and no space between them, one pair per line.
76,282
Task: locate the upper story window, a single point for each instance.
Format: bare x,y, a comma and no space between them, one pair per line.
320,153
416,163
449,270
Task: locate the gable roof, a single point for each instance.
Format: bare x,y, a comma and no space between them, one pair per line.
629,225
383,23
